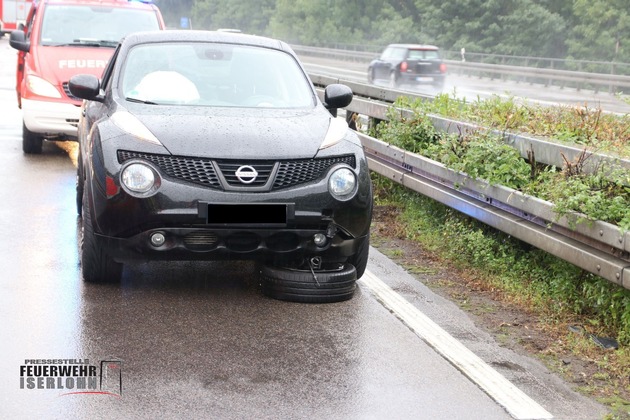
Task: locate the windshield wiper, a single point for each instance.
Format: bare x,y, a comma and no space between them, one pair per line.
140,101
85,42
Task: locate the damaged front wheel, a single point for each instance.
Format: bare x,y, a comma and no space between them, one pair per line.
310,286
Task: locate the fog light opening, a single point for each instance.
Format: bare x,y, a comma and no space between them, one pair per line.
158,239
320,239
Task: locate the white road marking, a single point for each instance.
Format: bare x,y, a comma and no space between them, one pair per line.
506,394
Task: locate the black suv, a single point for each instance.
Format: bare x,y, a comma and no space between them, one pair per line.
202,145
408,64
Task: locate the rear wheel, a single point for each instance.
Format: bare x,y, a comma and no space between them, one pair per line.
96,265
31,142
332,285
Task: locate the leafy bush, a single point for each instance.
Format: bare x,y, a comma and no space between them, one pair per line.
603,195
526,274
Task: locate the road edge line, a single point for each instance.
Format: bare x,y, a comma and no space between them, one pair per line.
518,404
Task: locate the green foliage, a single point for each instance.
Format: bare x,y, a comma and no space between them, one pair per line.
174,10
486,157
601,195
553,286
604,195
246,15
601,31
583,29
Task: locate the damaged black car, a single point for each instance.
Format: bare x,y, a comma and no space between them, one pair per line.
199,145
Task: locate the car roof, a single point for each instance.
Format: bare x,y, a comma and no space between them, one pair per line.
415,46
203,36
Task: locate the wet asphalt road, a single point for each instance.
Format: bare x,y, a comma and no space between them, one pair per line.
473,89
198,340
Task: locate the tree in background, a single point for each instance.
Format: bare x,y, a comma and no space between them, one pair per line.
174,10
512,27
251,16
582,29
601,32
317,22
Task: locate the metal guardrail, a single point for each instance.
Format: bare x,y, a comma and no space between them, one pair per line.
545,76
598,247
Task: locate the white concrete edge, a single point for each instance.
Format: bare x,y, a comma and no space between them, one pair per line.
516,402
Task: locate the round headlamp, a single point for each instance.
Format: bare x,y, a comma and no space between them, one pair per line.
342,184
138,178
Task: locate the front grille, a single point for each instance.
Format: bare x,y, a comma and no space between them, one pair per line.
203,171
197,170
229,168
300,171
66,89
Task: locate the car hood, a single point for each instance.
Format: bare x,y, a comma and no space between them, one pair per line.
237,133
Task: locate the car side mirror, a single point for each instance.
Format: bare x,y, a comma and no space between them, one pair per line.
337,96
19,42
85,86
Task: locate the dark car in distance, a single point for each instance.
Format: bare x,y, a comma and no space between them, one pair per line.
199,145
408,65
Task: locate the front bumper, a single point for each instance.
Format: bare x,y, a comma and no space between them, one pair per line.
277,246
185,214
51,119
419,79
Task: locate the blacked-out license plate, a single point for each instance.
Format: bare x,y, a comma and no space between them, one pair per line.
244,214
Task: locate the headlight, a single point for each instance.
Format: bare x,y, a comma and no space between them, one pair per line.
139,179
42,87
342,184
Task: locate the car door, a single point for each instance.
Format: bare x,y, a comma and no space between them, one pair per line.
382,66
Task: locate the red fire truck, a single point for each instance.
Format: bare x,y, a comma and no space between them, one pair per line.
12,14
62,38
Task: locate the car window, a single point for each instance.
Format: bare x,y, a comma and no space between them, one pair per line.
423,54
194,73
106,80
387,54
68,24
394,53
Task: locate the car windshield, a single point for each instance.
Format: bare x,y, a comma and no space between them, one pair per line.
211,74
93,25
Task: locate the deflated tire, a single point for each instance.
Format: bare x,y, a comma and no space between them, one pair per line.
294,285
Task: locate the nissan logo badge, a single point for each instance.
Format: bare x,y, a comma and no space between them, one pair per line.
246,174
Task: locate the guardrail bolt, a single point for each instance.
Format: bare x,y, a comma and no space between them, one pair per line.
599,267
601,233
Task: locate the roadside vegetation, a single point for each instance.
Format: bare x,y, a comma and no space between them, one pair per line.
603,194
564,298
